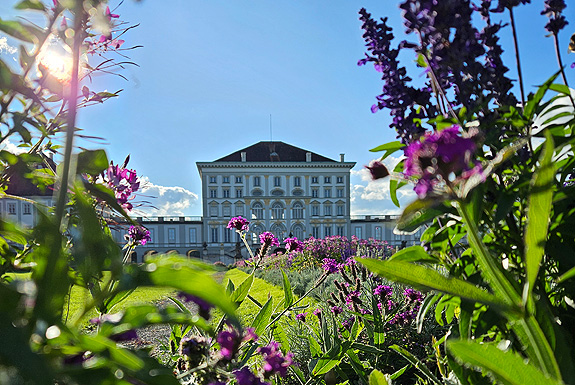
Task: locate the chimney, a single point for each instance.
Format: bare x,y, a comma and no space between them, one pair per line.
308,157
342,158
243,155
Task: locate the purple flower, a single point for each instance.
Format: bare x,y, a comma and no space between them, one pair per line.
553,9
267,239
293,245
317,312
336,310
383,290
436,156
274,361
377,170
413,295
229,341
244,376
250,335
138,235
238,223
204,307
330,265
301,317
123,182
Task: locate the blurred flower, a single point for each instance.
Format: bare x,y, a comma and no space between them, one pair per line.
194,349
244,376
138,235
377,170
229,341
238,223
110,15
293,245
413,295
204,307
274,361
301,317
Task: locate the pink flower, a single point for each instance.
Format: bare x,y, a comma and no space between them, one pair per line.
110,15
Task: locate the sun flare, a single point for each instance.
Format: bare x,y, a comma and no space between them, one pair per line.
56,60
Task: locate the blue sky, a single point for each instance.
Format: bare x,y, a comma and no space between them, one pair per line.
211,73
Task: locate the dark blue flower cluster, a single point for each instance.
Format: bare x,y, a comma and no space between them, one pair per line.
553,9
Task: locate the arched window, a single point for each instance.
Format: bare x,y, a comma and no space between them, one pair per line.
257,211
297,210
298,231
279,231
256,231
378,233
277,211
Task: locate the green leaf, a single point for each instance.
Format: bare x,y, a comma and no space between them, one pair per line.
418,213
429,279
185,275
399,372
288,293
17,30
427,304
92,162
314,347
539,209
416,363
240,294
31,4
389,148
395,185
568,275
413,254
378,378
263,317
530,106
324,365
508,367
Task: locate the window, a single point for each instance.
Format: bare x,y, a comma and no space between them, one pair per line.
358,232
315,210
341,231
378,233
314,179
257,211
327,179
297,212
327,210
277,181
339,179
171,235
239,209
213,179
214,234
238,179
226,179
297,181
315,231
27,209
314,193
227,211
193,236
277,211
257,181
213,210
226,193
298,232
340,210
12,208
239,193
327,193
340,193
213,193
327,231
227,235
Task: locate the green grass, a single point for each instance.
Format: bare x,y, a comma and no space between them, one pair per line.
261,291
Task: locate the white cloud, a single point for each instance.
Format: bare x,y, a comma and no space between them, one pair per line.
7,145
5,47
166,200
372,197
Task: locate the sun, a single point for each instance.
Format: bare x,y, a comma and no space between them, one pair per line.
55,59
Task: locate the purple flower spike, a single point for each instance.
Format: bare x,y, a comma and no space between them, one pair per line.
139,235
244,376
301,317
274,361
330,265
238,223
292,244
229,341
413,295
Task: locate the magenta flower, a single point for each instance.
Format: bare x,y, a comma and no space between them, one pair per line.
138,235
267,239
317,312
204,307
330,265
301,317
123,182
238,223
336,310
274,361
229,341
292,244
244,376
413,295
436,156
110,15
383,290
377,170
